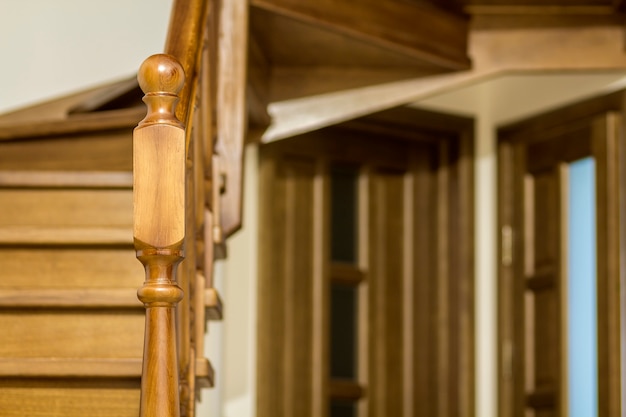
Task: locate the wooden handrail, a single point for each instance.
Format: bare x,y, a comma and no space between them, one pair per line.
184,42
159,229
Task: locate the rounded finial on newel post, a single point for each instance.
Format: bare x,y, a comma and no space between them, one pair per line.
161,77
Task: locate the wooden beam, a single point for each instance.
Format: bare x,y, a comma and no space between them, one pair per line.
231,112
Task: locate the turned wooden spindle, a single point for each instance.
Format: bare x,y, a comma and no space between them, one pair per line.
159,228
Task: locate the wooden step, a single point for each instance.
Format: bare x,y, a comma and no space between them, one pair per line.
65,368
69,267
65,236
102,209
80,397
74,298
66,179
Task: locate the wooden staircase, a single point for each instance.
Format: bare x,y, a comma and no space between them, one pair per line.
72,327
77,206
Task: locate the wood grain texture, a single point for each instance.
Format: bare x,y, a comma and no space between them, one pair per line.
61,268
159,190
607,130
68,398
66,334
101,368
533,378
231,113
184,42
411,190
440,38
107,150
66,179
159,185
83,123
66,208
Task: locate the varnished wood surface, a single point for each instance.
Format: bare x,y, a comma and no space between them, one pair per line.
66,179
33,268
231,114
159,156
88,208
65,334
184,41
440,39
106,150
81,123
68,398
70,367
533,377
402,368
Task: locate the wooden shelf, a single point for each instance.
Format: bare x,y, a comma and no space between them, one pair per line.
345,389
346,274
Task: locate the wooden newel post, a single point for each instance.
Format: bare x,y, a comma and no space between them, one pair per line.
159,228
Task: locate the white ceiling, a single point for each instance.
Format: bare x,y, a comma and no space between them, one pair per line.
512,97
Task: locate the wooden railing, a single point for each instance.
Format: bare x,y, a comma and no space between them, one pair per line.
172,168
187,192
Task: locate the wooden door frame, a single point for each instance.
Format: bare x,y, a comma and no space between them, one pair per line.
611,238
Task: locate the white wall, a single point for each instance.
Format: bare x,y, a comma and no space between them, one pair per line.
54,47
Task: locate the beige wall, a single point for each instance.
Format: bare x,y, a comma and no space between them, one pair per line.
53,47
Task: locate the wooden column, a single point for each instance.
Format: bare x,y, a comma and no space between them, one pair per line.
159,228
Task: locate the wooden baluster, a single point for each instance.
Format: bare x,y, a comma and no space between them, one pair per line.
159,228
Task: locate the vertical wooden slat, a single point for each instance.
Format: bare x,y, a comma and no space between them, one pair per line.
377,297
321,291
464,212
364,264
505,283
408,287
543,285
231,118
298,292
394,281
606,138
443,285
270,289
289,339
287,291
424,257
563,285
386,293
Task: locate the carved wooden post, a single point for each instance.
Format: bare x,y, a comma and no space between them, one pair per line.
159,228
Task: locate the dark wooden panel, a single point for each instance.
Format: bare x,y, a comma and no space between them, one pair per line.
286,289
386,292
545,218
